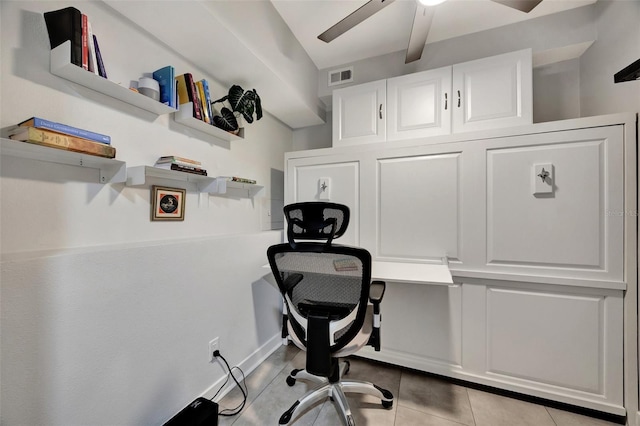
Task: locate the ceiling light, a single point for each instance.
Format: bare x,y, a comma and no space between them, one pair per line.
430,2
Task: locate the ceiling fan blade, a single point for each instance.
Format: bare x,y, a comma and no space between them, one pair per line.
522,5
419,32
365,11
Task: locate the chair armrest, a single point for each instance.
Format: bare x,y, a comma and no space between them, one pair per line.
291,281
376,291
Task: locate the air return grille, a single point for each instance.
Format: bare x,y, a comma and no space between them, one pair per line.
341,76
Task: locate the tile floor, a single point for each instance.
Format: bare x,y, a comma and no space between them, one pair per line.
420,400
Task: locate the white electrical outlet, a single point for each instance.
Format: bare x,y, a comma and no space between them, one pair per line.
214,345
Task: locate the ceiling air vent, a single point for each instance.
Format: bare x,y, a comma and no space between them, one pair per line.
341,76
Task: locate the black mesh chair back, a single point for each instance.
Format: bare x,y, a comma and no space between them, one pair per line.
327,281
316,221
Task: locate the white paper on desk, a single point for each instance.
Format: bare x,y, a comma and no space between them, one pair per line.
411,272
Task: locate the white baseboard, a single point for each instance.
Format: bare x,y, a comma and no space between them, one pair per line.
247,365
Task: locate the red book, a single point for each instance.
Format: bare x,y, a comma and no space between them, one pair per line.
85,42
191,85
187,93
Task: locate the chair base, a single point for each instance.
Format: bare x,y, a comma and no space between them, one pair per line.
336,391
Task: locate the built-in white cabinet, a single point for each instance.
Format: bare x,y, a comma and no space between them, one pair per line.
576,228
493,92
419,104
359,114
538,226
418,207
335,180
488,93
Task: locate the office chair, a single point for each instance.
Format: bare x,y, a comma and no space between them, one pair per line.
332,307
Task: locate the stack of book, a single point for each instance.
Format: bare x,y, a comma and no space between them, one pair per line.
181,164
196,92
239,179
71,24
62,136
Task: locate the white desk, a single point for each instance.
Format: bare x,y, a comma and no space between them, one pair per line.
416,273
404,272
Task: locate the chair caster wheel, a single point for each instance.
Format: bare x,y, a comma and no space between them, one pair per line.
291,381
286,417
387,404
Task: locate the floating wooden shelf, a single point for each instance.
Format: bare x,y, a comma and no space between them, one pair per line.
239,189
184,116
139,175
62,67
111,170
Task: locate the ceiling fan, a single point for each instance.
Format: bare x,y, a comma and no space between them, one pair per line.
421,21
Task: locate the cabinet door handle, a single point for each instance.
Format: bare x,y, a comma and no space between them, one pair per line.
446,101
380,112
458,99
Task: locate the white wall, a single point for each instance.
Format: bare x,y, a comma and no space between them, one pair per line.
618,45
106,316
556,91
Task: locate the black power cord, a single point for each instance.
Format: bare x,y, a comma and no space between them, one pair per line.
232,411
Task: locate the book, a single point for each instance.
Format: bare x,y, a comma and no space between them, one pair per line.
65,129
175,95
85,42
179,163
182,168
345,265
166,77
238,179
198,100
93,61
66,24
207,96
65,142
174,158
101,71
203,102
187,93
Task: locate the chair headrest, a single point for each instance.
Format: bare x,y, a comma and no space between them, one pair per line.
316,220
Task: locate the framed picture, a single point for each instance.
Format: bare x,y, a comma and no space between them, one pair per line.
167,203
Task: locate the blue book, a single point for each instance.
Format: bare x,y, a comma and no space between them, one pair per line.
39,123
166,77
207,95
101,70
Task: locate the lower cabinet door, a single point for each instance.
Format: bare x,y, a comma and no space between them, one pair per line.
422,326
558,342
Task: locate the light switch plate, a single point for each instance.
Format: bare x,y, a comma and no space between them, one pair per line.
542,179
324,188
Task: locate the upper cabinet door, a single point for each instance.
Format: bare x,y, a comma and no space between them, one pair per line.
419,105
493,92
359,114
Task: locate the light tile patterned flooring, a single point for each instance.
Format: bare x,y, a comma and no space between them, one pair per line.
420,400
